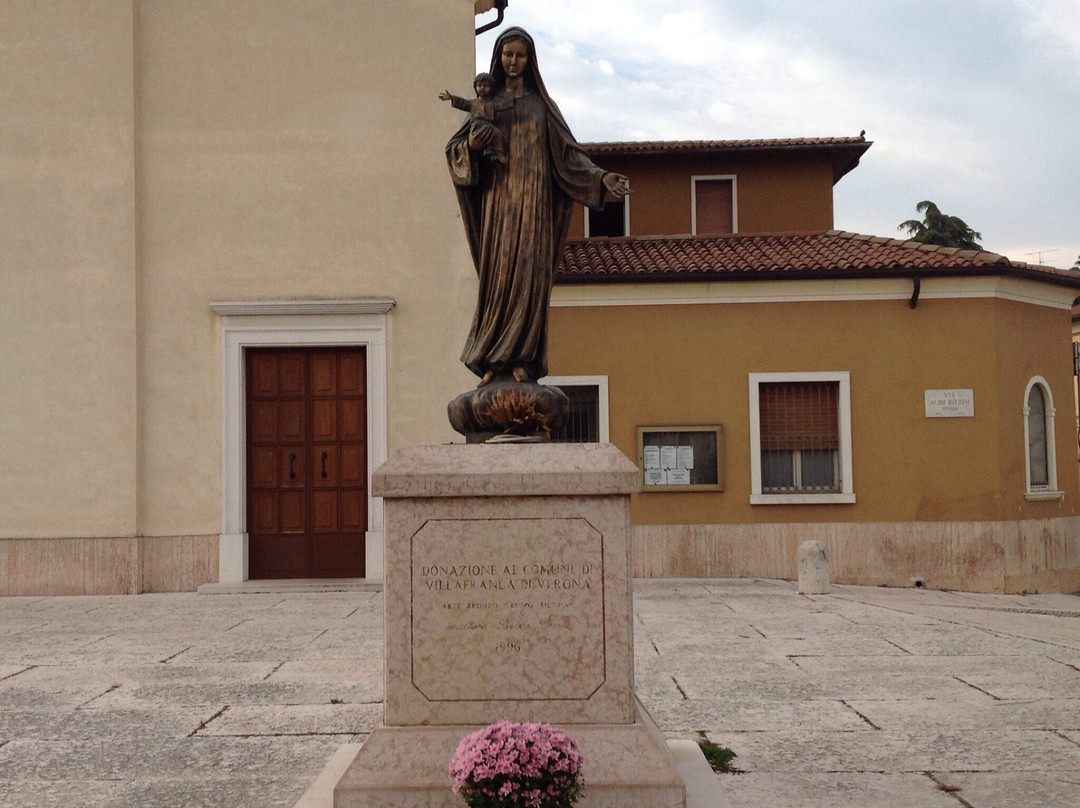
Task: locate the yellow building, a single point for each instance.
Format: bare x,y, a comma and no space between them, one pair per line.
893,400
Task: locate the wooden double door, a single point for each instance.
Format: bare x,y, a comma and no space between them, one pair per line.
306,462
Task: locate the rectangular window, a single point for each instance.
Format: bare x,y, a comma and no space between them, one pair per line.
800,438
611,222
714,209
583,423
588,419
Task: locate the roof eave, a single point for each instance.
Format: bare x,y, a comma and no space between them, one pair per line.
844,156
845,273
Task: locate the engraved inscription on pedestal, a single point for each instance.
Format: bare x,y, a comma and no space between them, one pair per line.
507,609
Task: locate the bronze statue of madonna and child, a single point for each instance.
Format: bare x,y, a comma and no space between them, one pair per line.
517,171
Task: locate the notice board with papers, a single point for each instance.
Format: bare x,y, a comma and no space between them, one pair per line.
681,458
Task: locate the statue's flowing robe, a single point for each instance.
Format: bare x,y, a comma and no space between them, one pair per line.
516,217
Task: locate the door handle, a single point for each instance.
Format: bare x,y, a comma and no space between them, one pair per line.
292,471
324,456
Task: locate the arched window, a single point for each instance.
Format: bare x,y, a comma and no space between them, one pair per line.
1039,437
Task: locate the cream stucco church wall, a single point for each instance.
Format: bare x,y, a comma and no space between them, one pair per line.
165,156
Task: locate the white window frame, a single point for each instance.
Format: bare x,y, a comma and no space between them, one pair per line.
734,199
288,323
626,217
601,383
1049,491
846,494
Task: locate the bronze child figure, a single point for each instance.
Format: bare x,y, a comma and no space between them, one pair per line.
483,109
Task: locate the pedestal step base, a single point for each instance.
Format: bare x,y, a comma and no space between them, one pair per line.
407,767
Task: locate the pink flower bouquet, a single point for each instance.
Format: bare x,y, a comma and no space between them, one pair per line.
508,765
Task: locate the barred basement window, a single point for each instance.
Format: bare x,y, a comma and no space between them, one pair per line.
588,420
583,423
800,438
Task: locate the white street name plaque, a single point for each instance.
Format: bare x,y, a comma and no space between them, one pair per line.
950,403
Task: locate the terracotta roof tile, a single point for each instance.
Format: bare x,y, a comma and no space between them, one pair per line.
660,146
776,256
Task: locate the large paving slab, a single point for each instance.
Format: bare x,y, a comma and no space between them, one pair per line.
993,789
864,697
837,790
897,752
1058,715
248,721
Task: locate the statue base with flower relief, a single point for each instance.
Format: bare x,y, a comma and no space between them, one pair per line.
507,597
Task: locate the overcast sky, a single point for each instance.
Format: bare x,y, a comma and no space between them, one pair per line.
973,104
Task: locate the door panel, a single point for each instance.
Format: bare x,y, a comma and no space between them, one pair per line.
323,374
292,512
262,375
264,467
293,466
291,421
325,465
351,419
323,511
351,374
324,418
291,373
264,422
352,466
353,507
263,507
307,462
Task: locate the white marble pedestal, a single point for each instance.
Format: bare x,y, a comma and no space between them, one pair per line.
507,592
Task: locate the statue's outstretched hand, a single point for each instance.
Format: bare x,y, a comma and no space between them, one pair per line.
444,95
617,184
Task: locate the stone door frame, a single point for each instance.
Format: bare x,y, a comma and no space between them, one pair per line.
285,323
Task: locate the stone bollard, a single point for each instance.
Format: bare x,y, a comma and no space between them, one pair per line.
813,568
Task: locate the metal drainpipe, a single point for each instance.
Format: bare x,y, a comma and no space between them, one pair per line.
500,6
917,283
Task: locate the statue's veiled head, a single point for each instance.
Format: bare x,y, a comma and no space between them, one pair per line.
515,54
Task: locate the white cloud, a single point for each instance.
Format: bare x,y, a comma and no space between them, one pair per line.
1054,24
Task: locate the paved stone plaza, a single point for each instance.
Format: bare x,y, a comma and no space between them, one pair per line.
864,697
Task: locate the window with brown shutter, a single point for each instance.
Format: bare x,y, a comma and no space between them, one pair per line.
800,437
714,206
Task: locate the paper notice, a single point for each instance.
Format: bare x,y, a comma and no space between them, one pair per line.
652,457
678,477
655,477
668,457
686,457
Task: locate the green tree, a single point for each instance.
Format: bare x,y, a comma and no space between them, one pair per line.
1077,264
940,228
